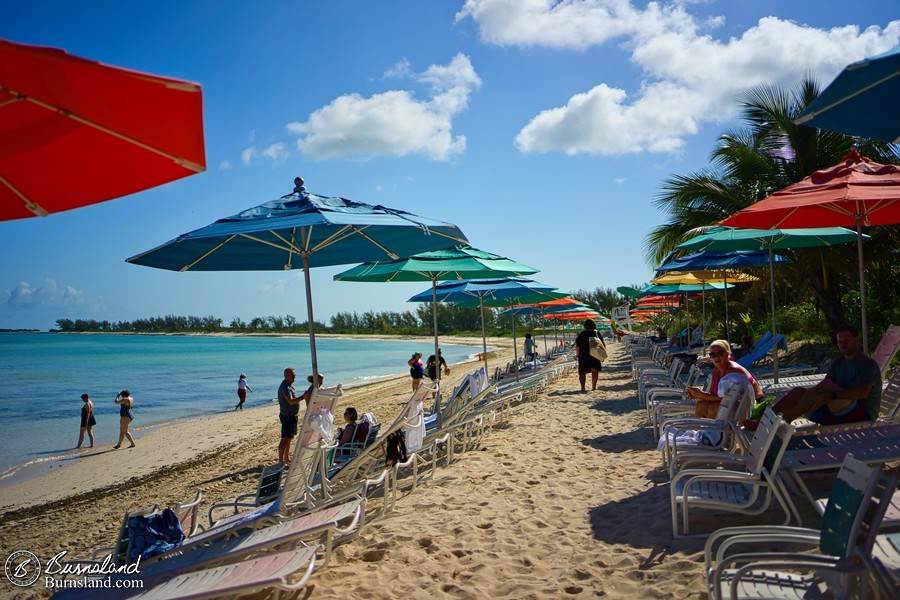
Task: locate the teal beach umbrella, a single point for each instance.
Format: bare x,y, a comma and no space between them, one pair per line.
315,230
456,263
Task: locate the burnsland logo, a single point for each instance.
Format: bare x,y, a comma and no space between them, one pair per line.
22,568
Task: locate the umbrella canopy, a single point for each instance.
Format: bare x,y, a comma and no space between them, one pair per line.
713,260
725,238
75,132
318,230
473,293
861,101
703,278
459,262
854,193
628,292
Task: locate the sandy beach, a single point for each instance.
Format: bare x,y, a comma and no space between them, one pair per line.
567,501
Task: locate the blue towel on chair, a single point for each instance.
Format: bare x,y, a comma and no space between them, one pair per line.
153,535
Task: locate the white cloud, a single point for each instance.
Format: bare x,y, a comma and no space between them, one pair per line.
393,123
279,286
49,294
248,155
689,77
224,165
276,153
401,70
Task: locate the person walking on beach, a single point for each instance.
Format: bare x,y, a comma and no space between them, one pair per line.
126,416
431,368
243,388
416,370
87,420
586,362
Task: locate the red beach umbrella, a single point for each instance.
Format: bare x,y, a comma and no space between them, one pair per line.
75,132
854,193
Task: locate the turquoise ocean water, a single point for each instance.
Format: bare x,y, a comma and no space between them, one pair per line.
171,377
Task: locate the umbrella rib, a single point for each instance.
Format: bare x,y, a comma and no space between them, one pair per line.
37,209
207,253
288,246
366,236
862,90
68,114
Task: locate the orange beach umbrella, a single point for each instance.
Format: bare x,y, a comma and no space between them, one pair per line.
75,132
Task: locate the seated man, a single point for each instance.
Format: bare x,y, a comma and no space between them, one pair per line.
850,392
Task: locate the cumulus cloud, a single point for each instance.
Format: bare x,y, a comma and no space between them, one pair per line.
224,165
689,77
276,153
248,154
395,122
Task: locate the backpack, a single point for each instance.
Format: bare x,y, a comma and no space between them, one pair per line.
396,449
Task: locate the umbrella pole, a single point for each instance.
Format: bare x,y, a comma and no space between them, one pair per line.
483,336
512,316
862,284
544,332
703,322
772,295
437,357
726,307
312,326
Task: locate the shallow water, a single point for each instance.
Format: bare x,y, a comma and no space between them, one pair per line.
170,377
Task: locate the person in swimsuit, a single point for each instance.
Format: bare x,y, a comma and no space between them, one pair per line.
87,420
242,391
126,416
416,369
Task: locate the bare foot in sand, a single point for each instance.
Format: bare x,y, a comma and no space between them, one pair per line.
116,447
132,446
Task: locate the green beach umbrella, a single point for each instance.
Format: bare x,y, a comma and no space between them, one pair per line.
456,263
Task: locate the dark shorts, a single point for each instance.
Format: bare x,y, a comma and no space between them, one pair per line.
856,414
242,394
587,363
288,425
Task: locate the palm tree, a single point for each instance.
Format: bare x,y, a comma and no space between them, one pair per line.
769,154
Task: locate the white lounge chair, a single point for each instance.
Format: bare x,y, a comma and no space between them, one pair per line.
855,509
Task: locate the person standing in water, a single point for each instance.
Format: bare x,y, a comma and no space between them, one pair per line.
243,388
126,416
87,420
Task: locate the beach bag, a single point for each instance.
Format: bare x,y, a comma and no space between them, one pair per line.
598,350
149,536
396,449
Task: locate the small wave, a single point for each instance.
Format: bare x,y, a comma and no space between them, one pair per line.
36,463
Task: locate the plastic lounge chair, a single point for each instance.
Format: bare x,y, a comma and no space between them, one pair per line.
887,348
761,349
748,490
723,432
298,491
119,549
267,490
288,571
187,514
852,518
884,564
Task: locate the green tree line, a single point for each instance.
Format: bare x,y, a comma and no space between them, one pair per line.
450,319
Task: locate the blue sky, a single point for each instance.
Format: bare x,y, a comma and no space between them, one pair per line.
543,129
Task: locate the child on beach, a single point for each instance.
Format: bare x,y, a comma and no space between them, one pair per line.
242,391
126,416
87,420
